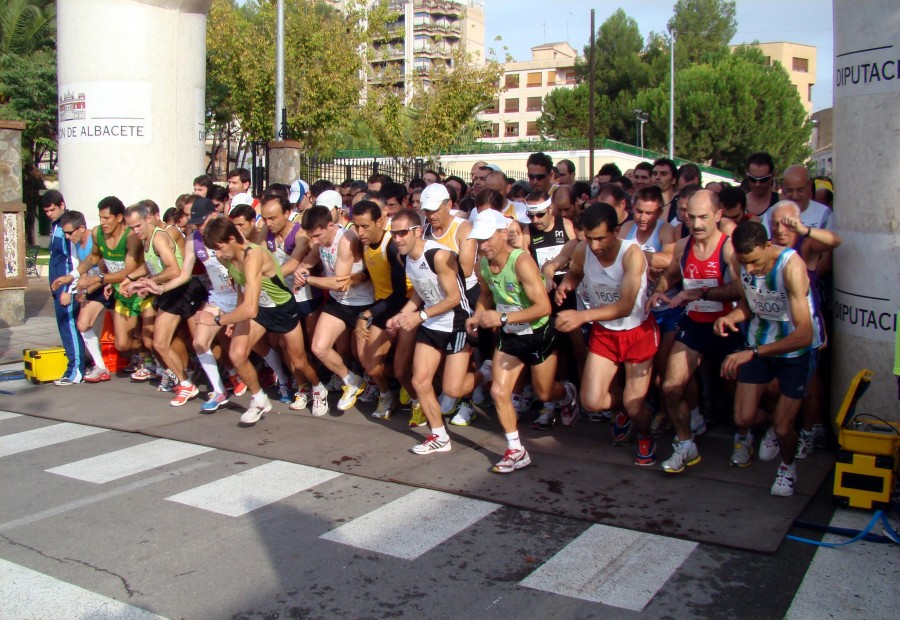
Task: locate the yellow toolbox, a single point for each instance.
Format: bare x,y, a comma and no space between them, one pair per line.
43,365
867,463
863,480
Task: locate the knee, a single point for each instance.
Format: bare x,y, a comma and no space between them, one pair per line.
238,355
500,392
318,348
672,391
421,384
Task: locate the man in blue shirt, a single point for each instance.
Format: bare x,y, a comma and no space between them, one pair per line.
64,304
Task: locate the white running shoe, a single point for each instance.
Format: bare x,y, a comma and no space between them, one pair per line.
301,400
371,394
320,404
685,455
784,480
256,410
769,447
465,414
350,395
431,444
385,406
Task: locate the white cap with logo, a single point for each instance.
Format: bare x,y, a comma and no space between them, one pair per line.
487,223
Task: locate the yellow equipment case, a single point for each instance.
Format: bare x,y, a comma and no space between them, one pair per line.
869,458
42,365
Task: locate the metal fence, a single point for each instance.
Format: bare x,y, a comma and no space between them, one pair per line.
339,170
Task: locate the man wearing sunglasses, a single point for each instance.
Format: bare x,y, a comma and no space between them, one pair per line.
539,167
761,177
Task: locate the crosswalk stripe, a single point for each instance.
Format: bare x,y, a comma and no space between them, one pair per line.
254,488
5,415
30,594
45,436
412,525
129,461
613,566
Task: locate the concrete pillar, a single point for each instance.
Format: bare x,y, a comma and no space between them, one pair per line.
285,162
132,81
13,276
867,195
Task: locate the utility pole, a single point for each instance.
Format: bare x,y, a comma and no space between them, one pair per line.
672,96
279,73
591,105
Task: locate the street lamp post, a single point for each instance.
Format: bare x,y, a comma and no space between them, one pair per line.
672,96
279,72
641,117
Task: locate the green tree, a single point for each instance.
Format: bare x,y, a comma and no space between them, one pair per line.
703,29
27,26
726,111
28,93
565,113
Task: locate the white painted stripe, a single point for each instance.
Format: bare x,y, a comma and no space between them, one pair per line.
45,436
408,527
130,461
254,488
5,415
30,594
99,497
853,581
613,566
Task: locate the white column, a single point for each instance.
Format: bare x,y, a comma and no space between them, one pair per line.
132,80
866,169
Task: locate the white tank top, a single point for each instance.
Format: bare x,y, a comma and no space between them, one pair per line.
361,294
448,239
604,287
428,286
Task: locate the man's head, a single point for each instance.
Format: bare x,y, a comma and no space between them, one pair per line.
490,231
415,199
477,166
460,185
238,181
581,194
394,197
796,186
781,234
344,191
479,177
376,182
140,219
643,174
53,204
601,223
332,201
540,211
431,176
368,222
299,194
112,214
497,182
688,174
219,196
703,214
244,218
319,225
563,204
664,172
733,202
607,173
202,185
202,209
648,205
274,212
614,195
406,230
566,172
436,204
760,174
221,234
751,245
73,226
539,166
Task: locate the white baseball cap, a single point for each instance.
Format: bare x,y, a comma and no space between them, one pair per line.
433,196
299,189
241,199
331,199
487,223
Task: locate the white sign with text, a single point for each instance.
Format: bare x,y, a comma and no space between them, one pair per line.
105,112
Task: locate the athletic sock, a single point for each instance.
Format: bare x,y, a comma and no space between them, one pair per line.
319,388
447,403
92,344
274,363
351,379
441,432
185,383
512,440
208,362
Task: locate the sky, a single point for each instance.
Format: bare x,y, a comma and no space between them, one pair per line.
521,27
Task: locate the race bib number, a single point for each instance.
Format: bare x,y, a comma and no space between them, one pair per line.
769,305
547,254
702,305
516,329
603,295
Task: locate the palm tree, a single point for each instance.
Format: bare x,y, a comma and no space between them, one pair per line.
26,26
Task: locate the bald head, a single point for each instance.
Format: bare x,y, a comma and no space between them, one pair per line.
496,181
797,173
563,201
795,186
704,199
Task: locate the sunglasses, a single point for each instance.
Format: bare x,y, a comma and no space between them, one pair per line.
69,232
536,215
754,179
403,231
536,177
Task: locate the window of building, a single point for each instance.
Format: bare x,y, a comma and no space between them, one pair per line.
532,129
551,78
801,65
512,80
809,93
511,130
534,104
511,105
769,60
535,79
494,108
491,130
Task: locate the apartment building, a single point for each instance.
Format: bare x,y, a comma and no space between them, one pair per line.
799,61
513,117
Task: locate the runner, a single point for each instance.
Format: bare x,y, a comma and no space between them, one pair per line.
614,272
781,345
513,299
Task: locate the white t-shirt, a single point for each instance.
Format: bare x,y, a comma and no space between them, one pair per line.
816,215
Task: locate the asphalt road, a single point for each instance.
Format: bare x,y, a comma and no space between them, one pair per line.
97,523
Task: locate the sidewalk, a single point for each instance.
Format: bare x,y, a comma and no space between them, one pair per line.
39,330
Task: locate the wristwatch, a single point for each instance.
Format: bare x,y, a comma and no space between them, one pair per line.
503,319
367,319
102,278
423,315
755,350
218,320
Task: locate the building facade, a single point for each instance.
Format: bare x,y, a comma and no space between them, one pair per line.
800,63
513,117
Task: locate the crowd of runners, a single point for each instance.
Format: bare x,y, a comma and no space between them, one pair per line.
642,299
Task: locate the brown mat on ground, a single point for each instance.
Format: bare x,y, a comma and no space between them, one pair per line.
575,471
